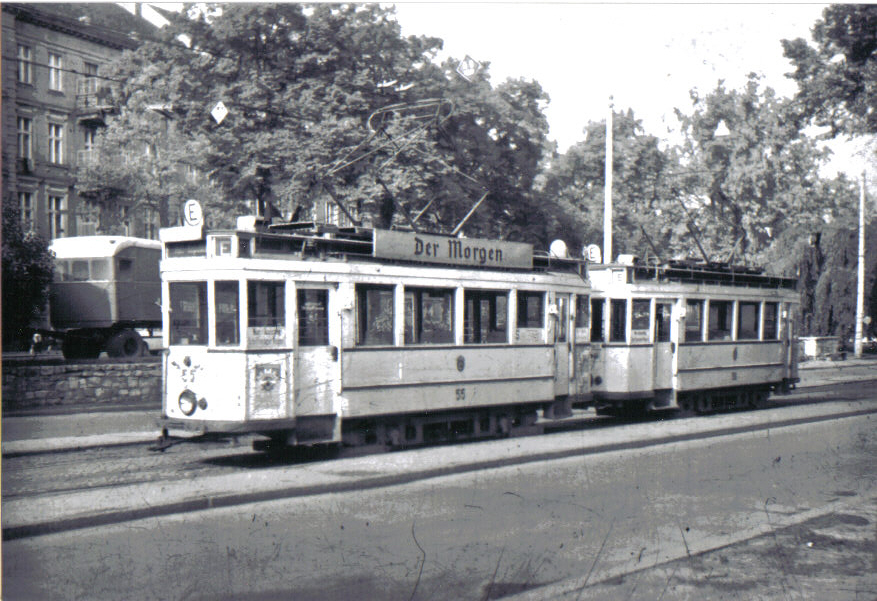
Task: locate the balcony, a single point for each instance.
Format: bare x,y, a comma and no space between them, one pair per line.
94,103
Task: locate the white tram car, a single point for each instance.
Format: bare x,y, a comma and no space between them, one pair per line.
362,336
697,337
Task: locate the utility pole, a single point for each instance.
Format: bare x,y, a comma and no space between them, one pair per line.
607,191
860,292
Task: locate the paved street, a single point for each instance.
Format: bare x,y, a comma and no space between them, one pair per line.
469,535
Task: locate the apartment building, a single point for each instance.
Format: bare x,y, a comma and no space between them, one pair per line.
53,103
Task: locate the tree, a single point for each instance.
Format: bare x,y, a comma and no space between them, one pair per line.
758,181
837,79
27,271
307,89
648,215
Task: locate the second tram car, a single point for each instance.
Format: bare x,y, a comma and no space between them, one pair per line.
693,336
358,336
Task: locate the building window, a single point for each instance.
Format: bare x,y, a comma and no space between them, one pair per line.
56,143
25,138
90,78
56,64
25,202
57,216
25,64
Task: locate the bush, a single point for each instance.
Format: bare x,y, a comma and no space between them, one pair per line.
27,271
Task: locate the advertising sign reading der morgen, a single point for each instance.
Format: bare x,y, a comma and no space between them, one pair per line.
468,252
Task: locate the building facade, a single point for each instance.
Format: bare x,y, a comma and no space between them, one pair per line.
53,103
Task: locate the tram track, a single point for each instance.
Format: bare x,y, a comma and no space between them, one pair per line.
109,468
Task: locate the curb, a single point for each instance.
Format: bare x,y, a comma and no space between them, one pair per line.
346,483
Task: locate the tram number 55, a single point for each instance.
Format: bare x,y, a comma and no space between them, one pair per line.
461,394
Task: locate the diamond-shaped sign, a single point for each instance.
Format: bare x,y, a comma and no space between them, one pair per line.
468,67
219,112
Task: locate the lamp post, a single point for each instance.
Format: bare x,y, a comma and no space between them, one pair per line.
860,288
607,190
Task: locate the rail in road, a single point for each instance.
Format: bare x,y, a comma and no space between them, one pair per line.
30,515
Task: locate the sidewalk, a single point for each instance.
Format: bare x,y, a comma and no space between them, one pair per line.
40,433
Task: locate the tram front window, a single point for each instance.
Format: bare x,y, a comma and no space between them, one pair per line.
429,317
266,305
227,323
188,313
266,314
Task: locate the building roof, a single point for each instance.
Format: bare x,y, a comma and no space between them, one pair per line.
102,23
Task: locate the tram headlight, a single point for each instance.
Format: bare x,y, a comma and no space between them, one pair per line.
188,402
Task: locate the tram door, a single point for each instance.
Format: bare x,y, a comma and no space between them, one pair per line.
664,346
316,359
563,351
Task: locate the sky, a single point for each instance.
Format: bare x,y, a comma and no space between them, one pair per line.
647,56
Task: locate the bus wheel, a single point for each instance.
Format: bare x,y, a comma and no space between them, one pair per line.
126,343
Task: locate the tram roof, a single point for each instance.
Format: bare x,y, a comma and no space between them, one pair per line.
692,272
313,240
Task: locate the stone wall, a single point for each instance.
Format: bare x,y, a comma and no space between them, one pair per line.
30,385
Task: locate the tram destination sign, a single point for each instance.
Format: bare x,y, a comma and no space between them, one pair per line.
468,252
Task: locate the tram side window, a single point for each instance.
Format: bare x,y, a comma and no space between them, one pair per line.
429,316
486,316
313,317
597,320
188,313
693,321
770,321
374,315
720,320
266,305
617,320
79,270
227,313
747,321
531,309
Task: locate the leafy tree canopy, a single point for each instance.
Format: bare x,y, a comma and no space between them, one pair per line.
307,89
837,79
27,271
758,181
